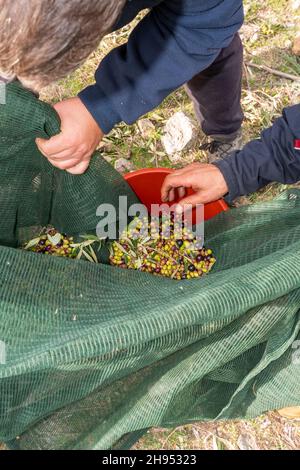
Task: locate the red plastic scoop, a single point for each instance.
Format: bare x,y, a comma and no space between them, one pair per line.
147,185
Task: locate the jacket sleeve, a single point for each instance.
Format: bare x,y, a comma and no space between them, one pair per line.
176,40
270,158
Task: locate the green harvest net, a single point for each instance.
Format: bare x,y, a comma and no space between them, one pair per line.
95,355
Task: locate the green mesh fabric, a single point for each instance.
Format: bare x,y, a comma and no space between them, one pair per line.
96,354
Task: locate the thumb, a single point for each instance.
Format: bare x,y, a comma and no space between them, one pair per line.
41,145
192,200
51,146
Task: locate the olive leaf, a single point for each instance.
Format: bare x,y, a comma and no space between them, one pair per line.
88,257
32,243
118,245
82,244
145,240
93,254
111,249
55,239
93,238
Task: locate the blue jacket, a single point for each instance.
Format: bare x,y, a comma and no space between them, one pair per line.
176,40
273,157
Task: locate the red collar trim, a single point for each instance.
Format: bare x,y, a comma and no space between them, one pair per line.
297,144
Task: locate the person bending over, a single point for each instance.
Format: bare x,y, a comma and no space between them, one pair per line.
177,42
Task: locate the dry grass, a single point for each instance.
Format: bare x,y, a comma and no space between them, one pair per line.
268,36
268,432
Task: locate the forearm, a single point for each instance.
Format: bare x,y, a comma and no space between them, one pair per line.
271,158
174,42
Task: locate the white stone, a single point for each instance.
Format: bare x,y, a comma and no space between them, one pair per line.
180,134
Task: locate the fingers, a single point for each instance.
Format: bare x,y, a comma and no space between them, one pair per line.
192,200
170,183
171,196
71,150
181,192
63,156
79,169
201,197
65,153
66,160
179,180
64,164
54,146
74,167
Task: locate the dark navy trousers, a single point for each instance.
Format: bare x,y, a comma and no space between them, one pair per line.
216,91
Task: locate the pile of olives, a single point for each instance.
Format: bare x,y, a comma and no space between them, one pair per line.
51,242
161,253
146,245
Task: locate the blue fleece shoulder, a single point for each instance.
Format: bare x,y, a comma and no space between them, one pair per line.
271,158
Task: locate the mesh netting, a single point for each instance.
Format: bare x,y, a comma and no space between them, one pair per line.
97,354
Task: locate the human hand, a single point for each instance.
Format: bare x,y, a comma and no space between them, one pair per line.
205,180
71,150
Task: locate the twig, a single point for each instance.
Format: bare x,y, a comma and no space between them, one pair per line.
247,78
161,253
273,71
170,435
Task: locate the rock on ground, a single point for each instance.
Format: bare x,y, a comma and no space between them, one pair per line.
249,32
146,128
296,46
295,4
180,134
123,166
